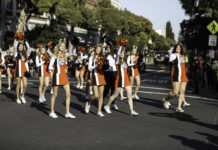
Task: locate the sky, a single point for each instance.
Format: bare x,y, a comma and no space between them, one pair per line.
158,12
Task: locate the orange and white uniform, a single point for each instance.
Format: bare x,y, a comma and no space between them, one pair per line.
96,66
22,65
10,62
178,73
132,62
60,71
122,79
42,64
2,62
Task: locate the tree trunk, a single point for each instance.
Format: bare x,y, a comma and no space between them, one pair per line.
22,22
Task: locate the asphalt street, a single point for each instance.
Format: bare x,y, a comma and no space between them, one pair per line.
28,127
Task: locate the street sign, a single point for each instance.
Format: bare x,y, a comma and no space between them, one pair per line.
213,27
212,40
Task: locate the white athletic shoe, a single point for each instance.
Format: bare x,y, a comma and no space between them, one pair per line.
18,101
69,115
134,113
9,88
136,97
179,109
107,109
81,87
0,91
41,99
53,115
133,96
91,92
87,107
51,92
186,104
122,98
100,114
168,102
23,100
78,86
166,105
114,106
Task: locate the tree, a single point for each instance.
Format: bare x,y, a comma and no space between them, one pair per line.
193,30
169,31
28,7
44,34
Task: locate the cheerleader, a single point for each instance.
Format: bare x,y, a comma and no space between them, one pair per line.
2,63
132,62
58,63
110,74
88,76
98,81
10,66
42,61
178,78
122,81
21,54
80,67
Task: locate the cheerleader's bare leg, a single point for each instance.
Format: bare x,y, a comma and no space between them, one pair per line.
24,80
53,97
81,74
77,72
101,95
67,92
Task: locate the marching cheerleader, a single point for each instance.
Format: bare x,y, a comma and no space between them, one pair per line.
2,63
98,81
81,67
132,62
10,65
110,74
178,78
21,54
59,78
42,61
122,80
88,77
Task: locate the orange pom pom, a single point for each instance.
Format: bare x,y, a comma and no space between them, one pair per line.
50,44
38,46
123,42
82,49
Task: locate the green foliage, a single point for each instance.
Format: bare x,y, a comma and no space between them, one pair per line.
194,34
43,35
169,31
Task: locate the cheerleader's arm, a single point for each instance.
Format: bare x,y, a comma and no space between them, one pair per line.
90,66
52,61
15,48
3,60
39,63
49,52
118,55
28,48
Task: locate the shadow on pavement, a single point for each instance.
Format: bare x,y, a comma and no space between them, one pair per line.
211,138
42,107
10,96
194,144
151,102
186,118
